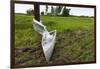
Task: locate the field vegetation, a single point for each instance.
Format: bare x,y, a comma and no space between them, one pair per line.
74,40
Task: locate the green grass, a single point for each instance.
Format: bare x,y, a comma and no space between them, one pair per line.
74,41
62,23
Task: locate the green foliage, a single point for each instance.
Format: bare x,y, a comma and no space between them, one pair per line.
58,9
42,13
30,12
52,10
46,9
65,12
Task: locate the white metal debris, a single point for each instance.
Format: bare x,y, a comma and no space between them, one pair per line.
48,38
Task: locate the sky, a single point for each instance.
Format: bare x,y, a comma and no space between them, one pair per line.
22,8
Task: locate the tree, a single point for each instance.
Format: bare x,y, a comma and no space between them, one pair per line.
30,12
42,13
46,9
58,9
52,10
65,12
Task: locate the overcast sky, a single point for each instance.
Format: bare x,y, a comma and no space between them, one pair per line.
21,8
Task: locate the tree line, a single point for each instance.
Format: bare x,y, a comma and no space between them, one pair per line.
55,11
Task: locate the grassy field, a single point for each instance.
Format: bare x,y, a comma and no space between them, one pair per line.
74,42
